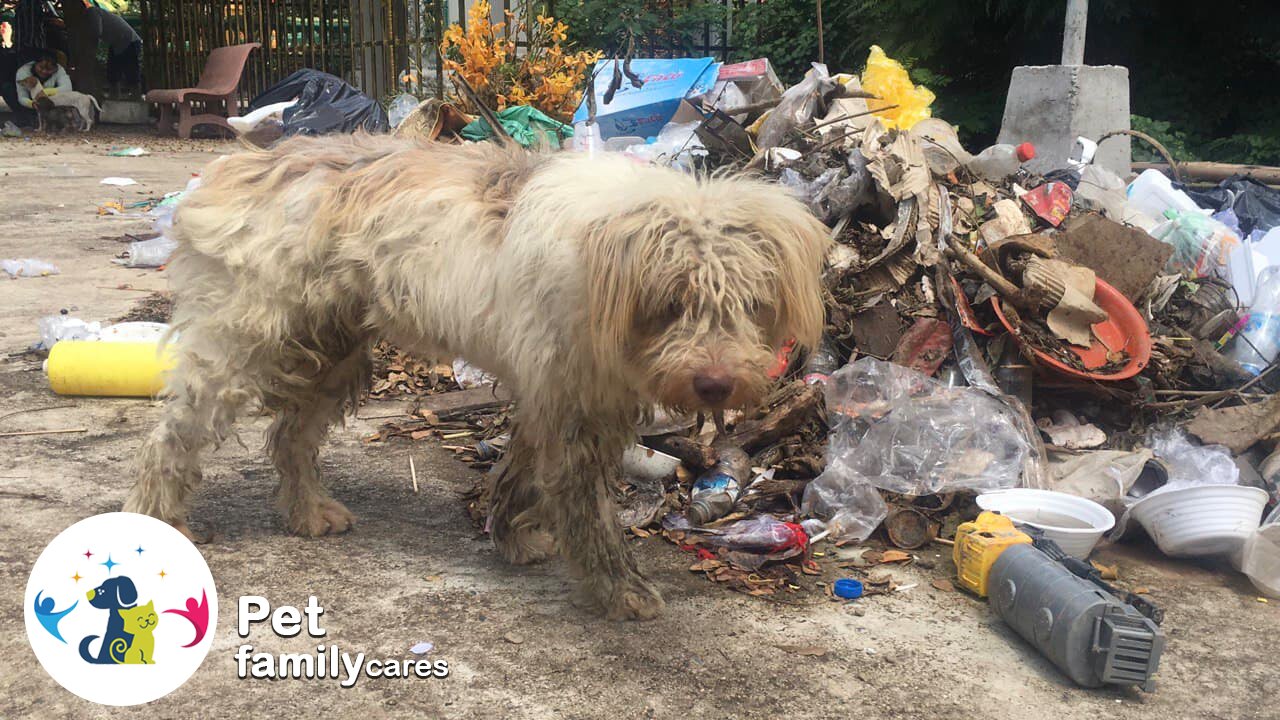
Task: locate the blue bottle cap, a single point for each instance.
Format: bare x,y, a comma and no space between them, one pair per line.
848,588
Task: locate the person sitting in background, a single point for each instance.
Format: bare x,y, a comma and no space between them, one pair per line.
39,80
124,48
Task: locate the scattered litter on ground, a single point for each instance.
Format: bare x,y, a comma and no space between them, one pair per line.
118,181
28,267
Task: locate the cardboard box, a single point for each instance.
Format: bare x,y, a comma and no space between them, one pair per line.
643,111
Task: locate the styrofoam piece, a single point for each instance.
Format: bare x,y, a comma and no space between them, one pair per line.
1201,520
1074,523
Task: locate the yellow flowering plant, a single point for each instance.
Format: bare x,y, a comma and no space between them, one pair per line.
547,73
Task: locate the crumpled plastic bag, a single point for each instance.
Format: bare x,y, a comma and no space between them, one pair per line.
910,434
1191,465
798,106
527,125
889,82
847,503
28,267
1200,243
835,193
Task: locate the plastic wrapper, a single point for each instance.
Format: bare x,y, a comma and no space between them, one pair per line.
677,145
835,193
400,107
798,106
907,433
469,376
1200,243
63,327
151,253
889,82
1191,465
847,503
748,543
28,267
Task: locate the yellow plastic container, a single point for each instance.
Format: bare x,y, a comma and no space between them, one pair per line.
114,369
978,544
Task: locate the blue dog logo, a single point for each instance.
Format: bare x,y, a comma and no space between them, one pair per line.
105,593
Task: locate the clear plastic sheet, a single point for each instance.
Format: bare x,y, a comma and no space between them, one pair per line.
798,106
1190,465
907,433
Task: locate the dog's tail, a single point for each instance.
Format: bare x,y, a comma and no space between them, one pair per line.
84,651
95,103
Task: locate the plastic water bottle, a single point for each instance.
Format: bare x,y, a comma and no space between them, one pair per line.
716,491
1000,161
1258,341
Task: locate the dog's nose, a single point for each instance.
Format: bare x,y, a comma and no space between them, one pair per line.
713,386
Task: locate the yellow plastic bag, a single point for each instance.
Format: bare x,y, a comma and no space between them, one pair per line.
888,81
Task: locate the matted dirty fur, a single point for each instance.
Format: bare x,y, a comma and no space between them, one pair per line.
593,288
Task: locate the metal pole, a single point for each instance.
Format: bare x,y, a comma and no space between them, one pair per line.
1073,34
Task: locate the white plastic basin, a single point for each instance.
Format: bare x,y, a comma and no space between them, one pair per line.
1075,523
1201,520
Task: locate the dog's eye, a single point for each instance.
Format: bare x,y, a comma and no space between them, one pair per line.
673,311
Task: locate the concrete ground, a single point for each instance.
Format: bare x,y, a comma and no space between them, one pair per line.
415,569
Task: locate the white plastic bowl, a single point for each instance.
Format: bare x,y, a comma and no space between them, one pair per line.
1075,523
1201,520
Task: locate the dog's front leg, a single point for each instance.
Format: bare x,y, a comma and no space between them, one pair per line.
518,509
580,473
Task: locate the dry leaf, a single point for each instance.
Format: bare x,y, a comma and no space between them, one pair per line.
1111,572
943,584
420,434
893,556
513,638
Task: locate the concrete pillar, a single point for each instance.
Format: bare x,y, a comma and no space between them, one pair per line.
1073,34
1050,105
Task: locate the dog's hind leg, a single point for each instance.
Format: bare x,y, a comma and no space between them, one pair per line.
517,514
294,440
207,389
580,467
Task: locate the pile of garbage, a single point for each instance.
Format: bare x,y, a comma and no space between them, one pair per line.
990,331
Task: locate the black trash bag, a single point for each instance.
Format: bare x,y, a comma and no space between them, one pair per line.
1256,205
326,104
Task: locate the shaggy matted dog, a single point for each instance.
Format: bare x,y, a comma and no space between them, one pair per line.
593,288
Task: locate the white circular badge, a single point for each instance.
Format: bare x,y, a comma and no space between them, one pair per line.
120,609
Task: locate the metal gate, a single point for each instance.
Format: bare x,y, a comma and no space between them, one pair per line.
368,43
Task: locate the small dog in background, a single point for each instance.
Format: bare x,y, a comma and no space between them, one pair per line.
53,119
595,289
86,105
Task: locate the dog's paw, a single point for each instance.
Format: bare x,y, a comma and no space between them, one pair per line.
523,547
325,516
631,599
636,600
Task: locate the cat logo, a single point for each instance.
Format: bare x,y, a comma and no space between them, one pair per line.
120,609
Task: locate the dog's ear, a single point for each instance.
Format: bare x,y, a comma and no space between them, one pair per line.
126,593
798,243
612,257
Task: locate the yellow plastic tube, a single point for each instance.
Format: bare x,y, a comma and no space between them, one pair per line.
113,369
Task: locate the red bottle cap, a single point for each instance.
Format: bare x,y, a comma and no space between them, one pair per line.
1025,151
